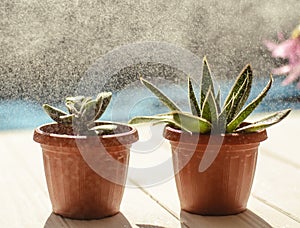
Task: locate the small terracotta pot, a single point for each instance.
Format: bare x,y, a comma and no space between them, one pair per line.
224,187
85,175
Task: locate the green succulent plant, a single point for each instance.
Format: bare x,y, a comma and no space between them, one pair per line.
207,114
83,112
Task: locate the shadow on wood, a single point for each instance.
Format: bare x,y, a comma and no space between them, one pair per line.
116,221
247,219
148,226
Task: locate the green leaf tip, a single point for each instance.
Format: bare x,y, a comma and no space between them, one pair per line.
160,95
193,100
206,81
265,122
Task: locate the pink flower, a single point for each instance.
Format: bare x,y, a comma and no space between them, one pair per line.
287,49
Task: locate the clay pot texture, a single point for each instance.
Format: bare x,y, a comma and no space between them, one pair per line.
72,163
224,187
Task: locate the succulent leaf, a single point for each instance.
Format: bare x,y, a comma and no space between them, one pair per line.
249,108
105,98
206,81
160,95
218,100
148,119
224,115
246,72
191,123
104,129
71,107
81,105
54,113
193,100
168,119
76,101
209,110
67,119
89,111
265,122
238,101
172,123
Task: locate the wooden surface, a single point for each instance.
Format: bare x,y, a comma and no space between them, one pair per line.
274,202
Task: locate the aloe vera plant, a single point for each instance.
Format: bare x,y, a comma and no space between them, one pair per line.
207,113
83,112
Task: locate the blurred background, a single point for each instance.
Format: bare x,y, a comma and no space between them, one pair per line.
48,46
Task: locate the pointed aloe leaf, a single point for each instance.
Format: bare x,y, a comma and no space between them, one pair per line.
209,110
191,123
147,119
160,95
238,101
206,81
246,72
249,108
173,123
218,100
54,113
193,100
224,115
105,98
165,118
266,122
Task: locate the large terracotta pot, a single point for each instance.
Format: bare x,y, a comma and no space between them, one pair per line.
224,187
85,175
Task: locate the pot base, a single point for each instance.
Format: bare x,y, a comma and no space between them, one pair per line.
216,213
89,217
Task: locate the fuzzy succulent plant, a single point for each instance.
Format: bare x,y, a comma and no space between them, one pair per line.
83,112
207,114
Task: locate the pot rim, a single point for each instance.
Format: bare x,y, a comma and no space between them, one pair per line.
42,136
177,135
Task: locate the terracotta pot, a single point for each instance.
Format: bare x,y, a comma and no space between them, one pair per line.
224,187
85,175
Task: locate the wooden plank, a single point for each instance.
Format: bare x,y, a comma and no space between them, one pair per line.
277,184
142,211
23,197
